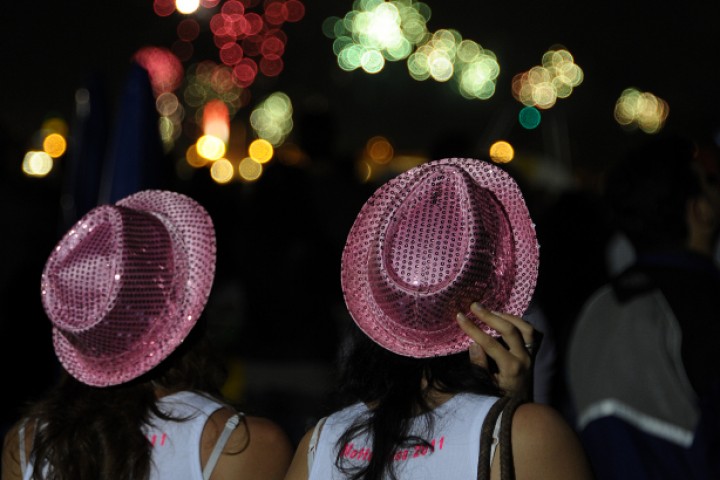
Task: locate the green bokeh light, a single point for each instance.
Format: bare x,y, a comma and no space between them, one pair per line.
529,118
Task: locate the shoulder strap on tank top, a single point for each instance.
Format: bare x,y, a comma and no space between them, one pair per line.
313,442
230,425
21,447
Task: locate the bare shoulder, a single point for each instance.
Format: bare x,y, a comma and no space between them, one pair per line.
299,468
545,445
11,454
258,448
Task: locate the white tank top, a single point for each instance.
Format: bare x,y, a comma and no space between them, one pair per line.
455,438
176,444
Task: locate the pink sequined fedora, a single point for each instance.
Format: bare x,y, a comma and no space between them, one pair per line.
427,244
127,283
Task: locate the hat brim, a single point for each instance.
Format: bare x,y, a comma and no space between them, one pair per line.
193,237
448,338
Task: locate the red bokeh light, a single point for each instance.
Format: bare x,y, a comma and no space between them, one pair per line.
271,67
231,53
245,72
295,9
188,29
275,12
164,8
164,68
272,47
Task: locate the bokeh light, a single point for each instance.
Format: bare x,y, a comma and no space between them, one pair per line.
501,152
186,7
193,158
216,120
164,68
376,31
249,170
261,150
643,110
542,85
529,118
54,145
37,164
379,150
272,118
222,171
211,147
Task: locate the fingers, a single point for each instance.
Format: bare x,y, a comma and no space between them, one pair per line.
514,361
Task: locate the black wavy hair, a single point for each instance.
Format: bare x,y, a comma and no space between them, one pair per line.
88,432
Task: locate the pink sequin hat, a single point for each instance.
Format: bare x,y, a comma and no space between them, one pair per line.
427,244
127,283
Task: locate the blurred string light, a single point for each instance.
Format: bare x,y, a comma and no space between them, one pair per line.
376,31
50,144
555,78
643,110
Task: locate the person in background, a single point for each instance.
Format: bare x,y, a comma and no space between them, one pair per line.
644,388
437,269
138,397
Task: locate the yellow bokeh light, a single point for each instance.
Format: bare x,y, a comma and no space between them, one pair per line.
261,150
37,164
55,145
193,158
211,147
643,110
544,84
249,170
501,152
379,150
55,125
222,170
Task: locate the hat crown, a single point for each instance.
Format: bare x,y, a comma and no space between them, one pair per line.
446,244
114,277
427,244
127,283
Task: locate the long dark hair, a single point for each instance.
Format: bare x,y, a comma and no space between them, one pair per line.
85,432
392,386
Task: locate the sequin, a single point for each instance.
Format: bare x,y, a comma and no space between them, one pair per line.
117,286
430,242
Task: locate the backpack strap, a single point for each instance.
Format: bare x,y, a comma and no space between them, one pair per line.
496,431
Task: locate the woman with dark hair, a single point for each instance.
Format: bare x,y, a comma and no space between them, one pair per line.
432,259
139,393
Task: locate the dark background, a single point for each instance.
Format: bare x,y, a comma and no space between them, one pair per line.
276,306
